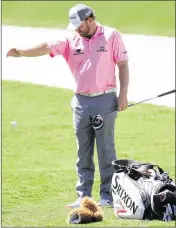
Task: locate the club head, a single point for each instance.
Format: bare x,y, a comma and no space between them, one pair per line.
97,122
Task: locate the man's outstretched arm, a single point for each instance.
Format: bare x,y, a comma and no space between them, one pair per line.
39,50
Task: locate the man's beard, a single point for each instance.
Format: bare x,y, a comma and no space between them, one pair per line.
89,36
86,35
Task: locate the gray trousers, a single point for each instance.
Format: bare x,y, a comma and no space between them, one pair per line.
83,108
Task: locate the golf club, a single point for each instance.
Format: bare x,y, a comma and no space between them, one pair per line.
151,98
97,121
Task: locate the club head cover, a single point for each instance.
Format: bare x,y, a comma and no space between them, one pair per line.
97,122
88,212
75,219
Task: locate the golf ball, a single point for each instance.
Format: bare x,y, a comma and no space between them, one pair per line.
14,123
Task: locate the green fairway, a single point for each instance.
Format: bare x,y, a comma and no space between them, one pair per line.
140,17
39,155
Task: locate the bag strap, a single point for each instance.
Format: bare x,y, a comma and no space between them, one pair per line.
122,165
151,166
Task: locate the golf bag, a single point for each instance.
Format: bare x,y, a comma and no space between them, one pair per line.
142,191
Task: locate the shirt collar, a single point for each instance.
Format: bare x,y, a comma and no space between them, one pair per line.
100,29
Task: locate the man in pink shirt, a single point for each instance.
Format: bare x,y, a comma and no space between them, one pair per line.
92,52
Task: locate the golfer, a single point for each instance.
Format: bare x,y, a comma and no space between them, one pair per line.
92,52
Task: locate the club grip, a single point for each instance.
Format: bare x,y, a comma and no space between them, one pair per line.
163,94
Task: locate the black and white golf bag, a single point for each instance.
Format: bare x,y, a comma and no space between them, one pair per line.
142,191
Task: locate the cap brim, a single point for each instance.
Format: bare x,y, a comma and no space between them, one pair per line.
72,27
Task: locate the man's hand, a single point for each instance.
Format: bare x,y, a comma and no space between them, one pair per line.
13,52
122,102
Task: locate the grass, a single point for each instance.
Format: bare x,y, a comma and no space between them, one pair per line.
39,155
139,17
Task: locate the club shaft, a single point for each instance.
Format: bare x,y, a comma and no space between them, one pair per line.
166,93
151,98
142,101
160,95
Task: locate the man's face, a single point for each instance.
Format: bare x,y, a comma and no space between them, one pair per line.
84,28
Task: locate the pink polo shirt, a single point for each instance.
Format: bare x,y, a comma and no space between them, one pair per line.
92,61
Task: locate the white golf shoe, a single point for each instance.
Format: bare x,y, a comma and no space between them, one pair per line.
105,203
77,203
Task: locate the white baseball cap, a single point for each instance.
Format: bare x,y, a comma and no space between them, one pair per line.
77,15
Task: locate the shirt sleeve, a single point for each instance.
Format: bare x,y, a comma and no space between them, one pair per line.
59,47
119,49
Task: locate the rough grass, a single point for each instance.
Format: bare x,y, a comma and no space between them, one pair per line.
39,155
